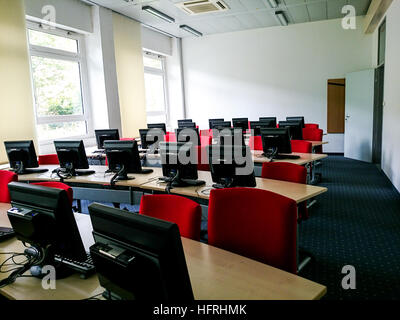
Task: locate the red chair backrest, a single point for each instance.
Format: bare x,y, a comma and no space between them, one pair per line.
255,223
170,137
202,159
312,134
182,211
284,171
301,146
205,140
5,178
48,159
58,185
311,125
255,143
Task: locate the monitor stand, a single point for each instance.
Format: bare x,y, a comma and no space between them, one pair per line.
177,182
282,156
145,171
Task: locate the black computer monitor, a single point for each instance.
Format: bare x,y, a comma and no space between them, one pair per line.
138,257
179,164
151,138
72,157
161,126
183,125
184,121
221,125
241,123
230,136
212,121
276,142
256,126
296,119
188,135
273,119
22,157
295,129
43,217
231,166
106,134
123,158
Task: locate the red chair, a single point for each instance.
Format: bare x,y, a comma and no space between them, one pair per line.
5,178
290,172
202,159
311,125
205,141
255,223
301,146
313,135
170,137
255,143
48,159
58,185
182,211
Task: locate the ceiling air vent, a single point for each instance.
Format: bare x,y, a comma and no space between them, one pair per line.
202,6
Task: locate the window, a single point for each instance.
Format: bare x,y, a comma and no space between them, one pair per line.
155,84
58,73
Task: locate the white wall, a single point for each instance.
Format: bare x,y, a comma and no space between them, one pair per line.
279,71
391,111
70,14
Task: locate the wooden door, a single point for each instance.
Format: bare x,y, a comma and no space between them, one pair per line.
336,105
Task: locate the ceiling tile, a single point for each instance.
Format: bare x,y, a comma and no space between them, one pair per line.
317,10
335,8
299,14
361,6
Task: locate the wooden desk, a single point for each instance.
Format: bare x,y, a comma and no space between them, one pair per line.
295,191
318,143
305,158
215,274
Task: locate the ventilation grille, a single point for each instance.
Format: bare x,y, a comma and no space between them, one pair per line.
202,6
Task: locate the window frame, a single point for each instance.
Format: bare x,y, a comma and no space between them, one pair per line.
80,58
161,72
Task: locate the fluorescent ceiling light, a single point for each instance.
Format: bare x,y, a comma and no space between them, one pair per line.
191,30
281,18
158,14
273,3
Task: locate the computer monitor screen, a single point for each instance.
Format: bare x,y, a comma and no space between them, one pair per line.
241,123
188,135
184,125
295,129
276,141
230,136
43,217
138,257
179,164
273,119
296,119
231,166
72,157
21,156
212,121
256,126
123,158
151,138
161,126
106,134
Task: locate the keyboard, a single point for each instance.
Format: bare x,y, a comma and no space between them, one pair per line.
85,268
6,233
283,156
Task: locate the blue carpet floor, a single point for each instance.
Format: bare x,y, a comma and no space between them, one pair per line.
357,222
